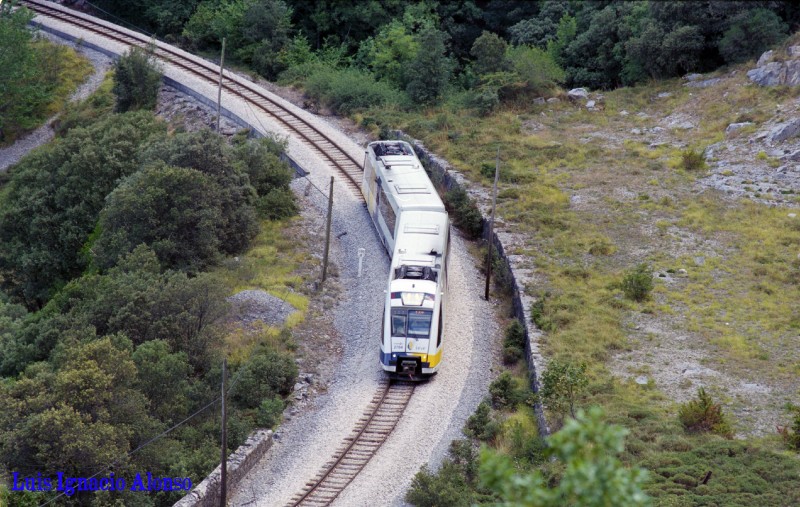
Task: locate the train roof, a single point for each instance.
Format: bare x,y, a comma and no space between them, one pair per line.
421,238
404,177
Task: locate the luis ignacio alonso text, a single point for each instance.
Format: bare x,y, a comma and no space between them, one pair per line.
70,485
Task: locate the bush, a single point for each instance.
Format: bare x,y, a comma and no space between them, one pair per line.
266,374
562,384
703,415
637,283
536,68
347,90
137,79
514,342
481,425
446,488
465,213
692,160
269,412
278,203
506,391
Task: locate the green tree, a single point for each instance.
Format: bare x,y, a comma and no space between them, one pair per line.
264,375
390,53
137,79
750,34
163,376
53,200
430,70
593,475
489,52
536,68
562,384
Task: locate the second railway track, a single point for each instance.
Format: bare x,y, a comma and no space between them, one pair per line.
372,429
251,93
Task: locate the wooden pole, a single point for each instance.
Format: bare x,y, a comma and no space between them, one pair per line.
223,501
491,226
327,236
219,88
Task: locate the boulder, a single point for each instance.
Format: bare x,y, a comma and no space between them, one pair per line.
664,95
539,100
784,131
692,77
590,104
705,83
765,58
792,72
794,156
553,100
733,127
578,94
771,74
793,51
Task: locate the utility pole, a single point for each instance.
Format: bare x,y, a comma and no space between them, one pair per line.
491,226
327,236
219,88
223,501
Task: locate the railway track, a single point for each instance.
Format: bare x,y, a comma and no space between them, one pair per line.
308,134
372,429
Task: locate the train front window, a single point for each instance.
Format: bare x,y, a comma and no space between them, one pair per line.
419,323
399,323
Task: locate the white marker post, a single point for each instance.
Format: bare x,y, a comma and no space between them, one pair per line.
361,253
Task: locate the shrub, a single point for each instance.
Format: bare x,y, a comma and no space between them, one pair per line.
347,90
562,384
505,392
446,488
489,51
692,160
137,79
266,374
465,213
269,412
481,425
703,415
278,203
637,283
536,68
540,314
514,343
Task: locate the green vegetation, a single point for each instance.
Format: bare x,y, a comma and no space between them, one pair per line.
638,283
562,384
112,330
703,414
37,76
137,79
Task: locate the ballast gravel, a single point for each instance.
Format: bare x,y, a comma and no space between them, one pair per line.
437,410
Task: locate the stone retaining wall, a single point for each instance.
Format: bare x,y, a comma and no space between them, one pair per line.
206,494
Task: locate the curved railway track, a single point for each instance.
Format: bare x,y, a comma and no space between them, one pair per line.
372,429
320,143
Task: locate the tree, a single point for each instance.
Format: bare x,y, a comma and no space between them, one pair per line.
489,52
137,79
430,70
751,33
535,67
176,211
593,475
54,198
562,384
390,53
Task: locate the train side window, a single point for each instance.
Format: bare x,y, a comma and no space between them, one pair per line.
439,334
387,212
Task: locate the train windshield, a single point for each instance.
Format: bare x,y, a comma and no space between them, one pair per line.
411,323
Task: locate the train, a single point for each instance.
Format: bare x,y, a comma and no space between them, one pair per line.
414,228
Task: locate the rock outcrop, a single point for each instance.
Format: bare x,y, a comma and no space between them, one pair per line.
771,71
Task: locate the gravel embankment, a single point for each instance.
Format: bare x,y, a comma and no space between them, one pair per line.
101,63
438,408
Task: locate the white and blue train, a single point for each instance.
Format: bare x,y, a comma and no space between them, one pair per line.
415,230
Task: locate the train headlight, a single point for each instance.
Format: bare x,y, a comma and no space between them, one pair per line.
412,298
